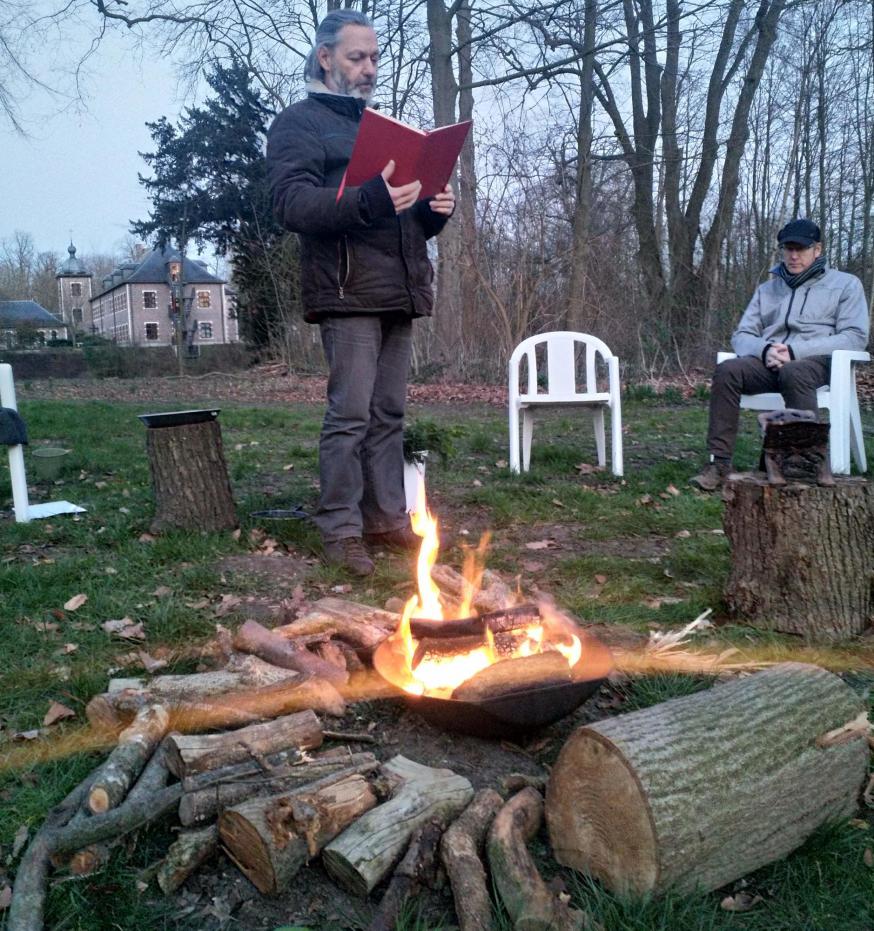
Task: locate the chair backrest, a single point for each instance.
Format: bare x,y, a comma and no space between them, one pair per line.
561,365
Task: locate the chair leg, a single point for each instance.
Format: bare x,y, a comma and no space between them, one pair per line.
527,433
514,438
857,440
600,438
839,434
616,440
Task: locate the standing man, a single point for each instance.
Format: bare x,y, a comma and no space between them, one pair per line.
365,274
784,340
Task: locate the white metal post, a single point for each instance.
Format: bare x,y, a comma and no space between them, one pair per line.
16,453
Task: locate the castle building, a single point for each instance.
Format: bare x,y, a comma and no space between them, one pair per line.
74,293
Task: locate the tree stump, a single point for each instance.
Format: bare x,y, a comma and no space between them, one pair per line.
190,478
695,792
802,556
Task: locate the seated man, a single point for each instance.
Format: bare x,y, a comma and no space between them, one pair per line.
784,340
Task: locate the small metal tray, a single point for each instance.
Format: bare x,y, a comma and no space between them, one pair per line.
179,418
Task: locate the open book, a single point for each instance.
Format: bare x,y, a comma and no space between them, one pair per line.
419,155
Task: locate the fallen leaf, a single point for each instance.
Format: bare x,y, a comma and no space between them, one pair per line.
146,538
477,483
601,579
585,468
124,510
288,468
57,712
539,544
5,897
20,839
75,602
557,503
198,605
162,591
228,603
70,647
673,490
109,570
501,464
532,565
26,735
644,499
125,628
150,664
683,534
47,627
868,857
236,533
740,902
341,589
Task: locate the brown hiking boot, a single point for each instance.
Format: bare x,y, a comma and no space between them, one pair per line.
712,477
349,554
402,540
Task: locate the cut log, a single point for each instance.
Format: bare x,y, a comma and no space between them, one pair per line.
530,904
252,637
497,622
698,791
186,854
200,803
330,651
802,557
360,625
494,594
515,675
461,851
195,753
271,838
416,871
190,478
365,853
136,745
230,709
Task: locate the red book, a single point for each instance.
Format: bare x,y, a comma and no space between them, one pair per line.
419,155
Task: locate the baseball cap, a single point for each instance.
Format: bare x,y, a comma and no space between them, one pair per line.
800,232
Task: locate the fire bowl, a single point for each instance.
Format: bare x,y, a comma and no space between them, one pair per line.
513,713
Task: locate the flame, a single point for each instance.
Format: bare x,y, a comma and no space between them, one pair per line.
438,675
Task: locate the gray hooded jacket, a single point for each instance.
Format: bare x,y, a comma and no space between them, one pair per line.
825,313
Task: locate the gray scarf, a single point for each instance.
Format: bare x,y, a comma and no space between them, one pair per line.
817,268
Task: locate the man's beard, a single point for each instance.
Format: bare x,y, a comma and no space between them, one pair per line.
348,89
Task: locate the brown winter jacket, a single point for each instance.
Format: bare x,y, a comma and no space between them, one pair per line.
357,254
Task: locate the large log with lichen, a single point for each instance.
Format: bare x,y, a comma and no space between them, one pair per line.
698,791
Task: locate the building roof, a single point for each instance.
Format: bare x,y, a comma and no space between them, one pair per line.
153,270
73,267
14,313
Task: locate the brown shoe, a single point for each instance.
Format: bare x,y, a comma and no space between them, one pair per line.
712,477
349,554
402,540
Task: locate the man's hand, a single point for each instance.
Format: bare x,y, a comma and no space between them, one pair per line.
402,197
444,202
777,356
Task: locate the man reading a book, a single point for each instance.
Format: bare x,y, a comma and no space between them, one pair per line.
365,275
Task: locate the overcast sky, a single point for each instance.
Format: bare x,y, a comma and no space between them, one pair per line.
76,172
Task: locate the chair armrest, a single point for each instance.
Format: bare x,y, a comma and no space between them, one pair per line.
850,355
724,356
842,367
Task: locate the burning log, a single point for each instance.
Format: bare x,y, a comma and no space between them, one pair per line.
364,854
360,625
136,745
460,850
271,838
497,622
697,791
515,675
530,904
265,644
234,784
190,754
186,854
494,594
417,870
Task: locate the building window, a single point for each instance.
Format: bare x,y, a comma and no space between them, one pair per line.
205,330
151,328
150,300
77,315
203,299
76,290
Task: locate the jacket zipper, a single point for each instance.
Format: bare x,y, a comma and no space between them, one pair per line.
788,311
803,304
341,285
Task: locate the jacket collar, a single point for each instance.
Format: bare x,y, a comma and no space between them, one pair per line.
339,103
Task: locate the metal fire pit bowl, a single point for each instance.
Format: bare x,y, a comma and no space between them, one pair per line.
511,714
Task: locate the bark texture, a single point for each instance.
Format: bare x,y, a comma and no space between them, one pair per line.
271,838
253,637
190,478
365,853
802,556
186,854
698,791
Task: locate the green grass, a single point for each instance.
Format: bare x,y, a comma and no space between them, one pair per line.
643,551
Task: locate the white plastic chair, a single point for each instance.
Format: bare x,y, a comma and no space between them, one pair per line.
839,398
561,389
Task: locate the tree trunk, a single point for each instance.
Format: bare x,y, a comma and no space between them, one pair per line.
698,791
364,854
271,838
189,754
190,478
802,556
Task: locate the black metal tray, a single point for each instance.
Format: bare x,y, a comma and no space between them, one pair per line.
179,418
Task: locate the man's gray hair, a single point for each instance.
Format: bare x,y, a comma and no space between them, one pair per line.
327,36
